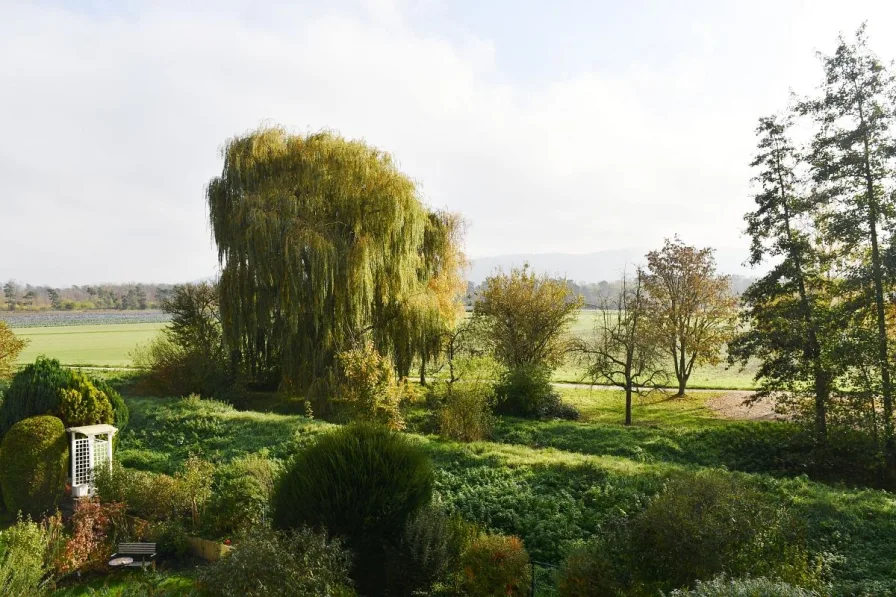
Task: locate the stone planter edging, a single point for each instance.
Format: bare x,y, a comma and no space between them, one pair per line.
210,551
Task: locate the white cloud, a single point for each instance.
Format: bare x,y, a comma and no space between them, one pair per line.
111,126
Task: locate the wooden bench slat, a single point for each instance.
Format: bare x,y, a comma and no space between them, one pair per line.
136,548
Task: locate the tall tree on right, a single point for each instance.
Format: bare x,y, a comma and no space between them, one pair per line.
691,304
853,162
787,312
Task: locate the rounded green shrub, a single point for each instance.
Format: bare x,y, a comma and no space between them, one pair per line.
711,523
170,538
601,566
33,461
527,391
45,387
81,403
34,391
703,525
361,483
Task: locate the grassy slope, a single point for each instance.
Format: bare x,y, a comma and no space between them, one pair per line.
97,345
553,496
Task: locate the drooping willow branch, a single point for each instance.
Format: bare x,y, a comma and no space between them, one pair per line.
323,241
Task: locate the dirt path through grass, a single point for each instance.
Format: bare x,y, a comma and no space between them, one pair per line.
730,405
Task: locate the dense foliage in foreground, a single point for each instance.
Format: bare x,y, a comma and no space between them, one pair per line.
551,498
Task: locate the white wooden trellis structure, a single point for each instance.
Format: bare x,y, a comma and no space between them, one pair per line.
91,449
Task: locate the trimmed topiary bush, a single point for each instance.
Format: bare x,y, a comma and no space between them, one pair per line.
81,403
361,483
34,391
45,387
33,462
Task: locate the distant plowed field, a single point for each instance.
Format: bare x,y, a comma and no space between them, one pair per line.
28,319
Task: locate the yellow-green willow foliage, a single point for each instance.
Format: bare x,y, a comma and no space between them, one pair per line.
325,244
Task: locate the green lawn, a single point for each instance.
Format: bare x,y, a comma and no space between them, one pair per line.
557,482
708,376
87,345
110,345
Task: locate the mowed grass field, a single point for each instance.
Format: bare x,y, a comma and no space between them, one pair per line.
711,377
107,345
111,345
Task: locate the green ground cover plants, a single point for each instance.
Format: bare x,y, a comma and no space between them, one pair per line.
556,496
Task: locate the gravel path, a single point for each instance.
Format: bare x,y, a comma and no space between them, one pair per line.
730,405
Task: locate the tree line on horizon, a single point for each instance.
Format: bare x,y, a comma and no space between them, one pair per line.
19,296
125,297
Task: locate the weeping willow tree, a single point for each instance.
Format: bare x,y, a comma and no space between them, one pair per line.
324,244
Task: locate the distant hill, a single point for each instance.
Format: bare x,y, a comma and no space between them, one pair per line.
595,267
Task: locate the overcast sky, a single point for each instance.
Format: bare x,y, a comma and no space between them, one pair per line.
553,126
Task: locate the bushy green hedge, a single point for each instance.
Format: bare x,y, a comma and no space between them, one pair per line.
746,587
429,555
45,387
527,391
702,525
464,410
119,408
26,553
361,483
81,403
241,496
292,564
33,463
